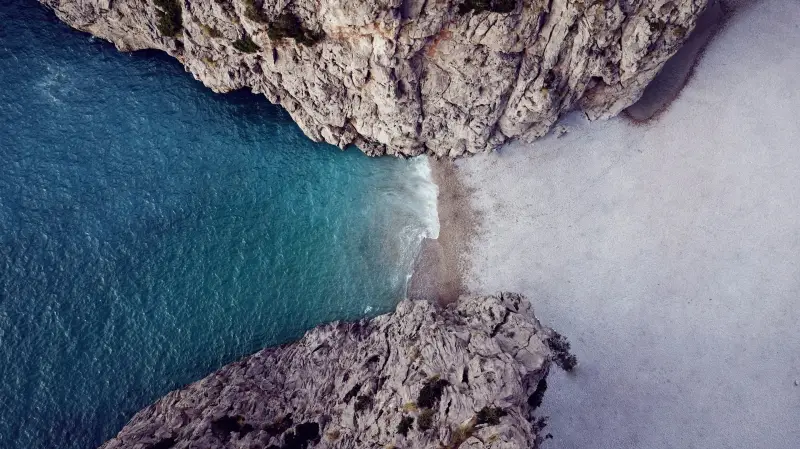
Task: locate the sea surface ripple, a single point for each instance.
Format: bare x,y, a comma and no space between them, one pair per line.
152,231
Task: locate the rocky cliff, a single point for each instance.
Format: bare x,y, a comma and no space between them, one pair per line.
405,77
468,376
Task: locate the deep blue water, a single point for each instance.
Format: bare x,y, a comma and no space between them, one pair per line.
151,230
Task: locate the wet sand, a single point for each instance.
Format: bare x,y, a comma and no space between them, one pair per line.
443,265
441,268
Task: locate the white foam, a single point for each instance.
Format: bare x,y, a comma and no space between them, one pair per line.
427,195
412,202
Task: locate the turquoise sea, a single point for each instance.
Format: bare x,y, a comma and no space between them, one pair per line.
152,231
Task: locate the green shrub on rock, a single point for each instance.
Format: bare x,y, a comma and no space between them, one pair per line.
431,392
425,420
490,415
363,402
405,425
246,45
254,12
288,25
169,14
210,31
561,349
499,6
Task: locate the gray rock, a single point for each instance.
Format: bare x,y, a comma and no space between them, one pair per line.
469,375
445,77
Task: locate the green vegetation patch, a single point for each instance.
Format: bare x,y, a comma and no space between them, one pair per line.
499,6
253,11
431,392
405,425
289,26
425,420
228,424
490,415
363,402
460,435
169,13
536,398
210,31
561,349
246,45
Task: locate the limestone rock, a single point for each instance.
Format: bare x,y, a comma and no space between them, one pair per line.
469,375
405,77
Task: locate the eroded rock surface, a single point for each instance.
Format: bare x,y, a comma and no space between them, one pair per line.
406,77
468,376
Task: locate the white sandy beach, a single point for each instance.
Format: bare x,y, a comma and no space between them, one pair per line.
668,252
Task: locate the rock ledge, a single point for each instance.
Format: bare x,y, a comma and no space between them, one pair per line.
445,77
470,376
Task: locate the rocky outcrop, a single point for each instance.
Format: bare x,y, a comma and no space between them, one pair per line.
468,376
405,77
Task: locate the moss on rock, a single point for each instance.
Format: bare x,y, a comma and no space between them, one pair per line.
169,12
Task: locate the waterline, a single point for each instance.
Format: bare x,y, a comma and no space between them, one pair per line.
153,231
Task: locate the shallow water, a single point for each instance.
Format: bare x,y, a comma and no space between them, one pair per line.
151,230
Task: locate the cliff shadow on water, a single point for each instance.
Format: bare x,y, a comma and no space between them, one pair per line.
152,231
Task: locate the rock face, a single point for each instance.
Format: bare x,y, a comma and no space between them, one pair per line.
406,77
468,376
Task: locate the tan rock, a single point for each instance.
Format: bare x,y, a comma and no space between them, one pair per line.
421,377
409,77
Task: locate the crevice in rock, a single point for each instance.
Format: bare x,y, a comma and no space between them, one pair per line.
279,426
536,398
224,426
165,443
499,325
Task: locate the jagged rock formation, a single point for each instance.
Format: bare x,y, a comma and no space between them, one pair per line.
405,77
467,376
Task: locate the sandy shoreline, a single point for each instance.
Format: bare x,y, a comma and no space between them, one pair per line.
442,265
667,251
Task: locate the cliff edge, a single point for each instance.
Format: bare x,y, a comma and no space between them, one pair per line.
469,376
407,77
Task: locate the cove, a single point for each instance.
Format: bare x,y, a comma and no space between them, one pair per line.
152,231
